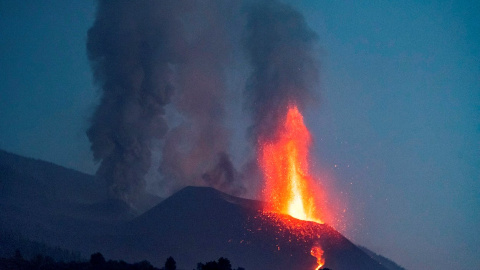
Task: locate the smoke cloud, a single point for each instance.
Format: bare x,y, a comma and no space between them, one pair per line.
280,47
224,176
150,57
192,147
132,46
140,51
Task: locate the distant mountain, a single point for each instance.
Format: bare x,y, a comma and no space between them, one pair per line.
68,209
41,200
44,182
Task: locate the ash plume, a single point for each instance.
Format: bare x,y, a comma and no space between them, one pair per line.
280,48
192,147
132,47
140,51
224,176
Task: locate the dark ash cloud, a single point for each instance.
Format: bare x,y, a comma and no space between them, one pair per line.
132,47
148,54
191,148
140,52
280,47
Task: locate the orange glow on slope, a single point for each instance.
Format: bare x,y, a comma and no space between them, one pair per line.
289,189
317,252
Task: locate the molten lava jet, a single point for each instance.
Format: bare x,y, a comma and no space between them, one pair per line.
289,189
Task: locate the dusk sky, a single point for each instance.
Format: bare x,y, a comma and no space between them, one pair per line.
396,128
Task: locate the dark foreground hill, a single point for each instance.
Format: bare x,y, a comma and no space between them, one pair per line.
67,209
199,223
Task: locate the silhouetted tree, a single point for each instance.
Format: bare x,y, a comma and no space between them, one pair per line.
210,266
170,264
49,261
143,265
224,264
38,260
97,262
18,255
97,259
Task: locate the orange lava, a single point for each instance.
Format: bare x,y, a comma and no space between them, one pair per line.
317,252
289,189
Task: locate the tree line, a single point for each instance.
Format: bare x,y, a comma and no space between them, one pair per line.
98,262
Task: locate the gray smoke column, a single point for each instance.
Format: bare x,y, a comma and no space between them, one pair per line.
132,46
195,150
280,47
140,52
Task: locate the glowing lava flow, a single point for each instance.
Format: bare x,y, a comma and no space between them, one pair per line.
288,187
317,252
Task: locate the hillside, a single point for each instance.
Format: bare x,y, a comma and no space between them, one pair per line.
67,209
200,223
45,202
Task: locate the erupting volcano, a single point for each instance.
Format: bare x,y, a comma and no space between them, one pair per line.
289,188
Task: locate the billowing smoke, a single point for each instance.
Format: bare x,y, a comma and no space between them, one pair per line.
153,56
280,47
192,148
224,176
132,47
140,52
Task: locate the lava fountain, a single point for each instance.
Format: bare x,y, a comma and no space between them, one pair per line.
289,189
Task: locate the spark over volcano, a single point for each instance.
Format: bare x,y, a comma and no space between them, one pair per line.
289,188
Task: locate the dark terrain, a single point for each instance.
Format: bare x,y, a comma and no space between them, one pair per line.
63,208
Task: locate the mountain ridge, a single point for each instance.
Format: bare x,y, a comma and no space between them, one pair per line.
195,224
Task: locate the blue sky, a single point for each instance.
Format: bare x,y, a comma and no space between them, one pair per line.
397,128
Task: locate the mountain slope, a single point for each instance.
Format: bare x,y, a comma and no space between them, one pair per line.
65,208
43,181
46,202
390,265
201,224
